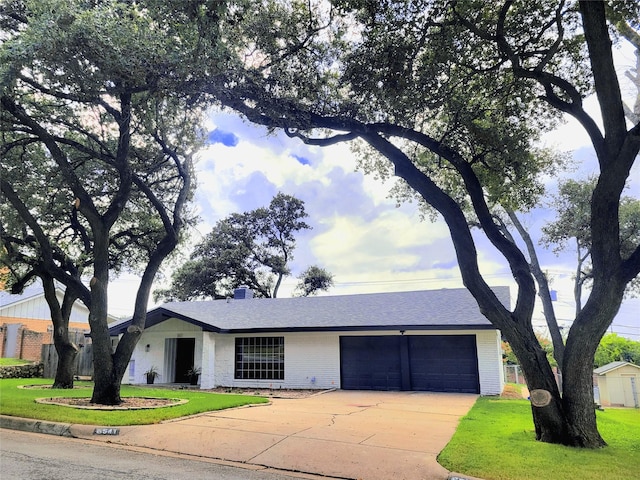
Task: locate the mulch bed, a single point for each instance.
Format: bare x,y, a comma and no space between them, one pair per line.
132,403
268,392
135,403
128,403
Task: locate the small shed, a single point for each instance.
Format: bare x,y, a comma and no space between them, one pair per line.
619,384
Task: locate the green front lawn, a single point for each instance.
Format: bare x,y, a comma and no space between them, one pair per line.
9,362
20,402
496,441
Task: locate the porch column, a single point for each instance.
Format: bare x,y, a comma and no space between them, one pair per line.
207,374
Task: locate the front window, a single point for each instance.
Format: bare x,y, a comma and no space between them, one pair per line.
260,358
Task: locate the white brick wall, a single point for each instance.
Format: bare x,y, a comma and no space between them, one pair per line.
207,375
312,360
490,362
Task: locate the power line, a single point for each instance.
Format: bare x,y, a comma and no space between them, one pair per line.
411,280
626,326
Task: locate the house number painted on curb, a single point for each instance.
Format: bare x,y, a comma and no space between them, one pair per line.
106,431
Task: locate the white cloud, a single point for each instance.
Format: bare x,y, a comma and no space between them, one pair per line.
386,243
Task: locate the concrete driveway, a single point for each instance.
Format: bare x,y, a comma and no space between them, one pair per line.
343,434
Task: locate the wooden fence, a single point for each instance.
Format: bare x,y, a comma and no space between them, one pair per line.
84,361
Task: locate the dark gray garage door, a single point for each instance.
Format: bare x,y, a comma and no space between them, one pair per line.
437,363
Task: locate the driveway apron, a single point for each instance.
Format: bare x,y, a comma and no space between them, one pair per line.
343,434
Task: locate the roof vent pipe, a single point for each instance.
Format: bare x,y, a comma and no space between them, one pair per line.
242,293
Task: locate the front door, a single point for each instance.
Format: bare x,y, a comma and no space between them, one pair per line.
185,349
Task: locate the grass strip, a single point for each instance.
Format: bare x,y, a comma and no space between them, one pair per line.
496,441
20,402
10,362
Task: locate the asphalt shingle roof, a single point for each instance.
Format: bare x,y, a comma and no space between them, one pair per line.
612,366
33,290
446,309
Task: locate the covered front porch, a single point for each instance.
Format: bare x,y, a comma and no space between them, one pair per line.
169,354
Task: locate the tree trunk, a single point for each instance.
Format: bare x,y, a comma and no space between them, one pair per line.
580,278
584,337
106,389
109,366
580,407
67,351
553,418
66,370
569,419
549,417
277,285
106,385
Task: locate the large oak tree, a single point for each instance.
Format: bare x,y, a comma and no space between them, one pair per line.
253,249
97,145
452,95
19,252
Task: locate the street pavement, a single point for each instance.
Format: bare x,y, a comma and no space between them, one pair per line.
338,434
33,456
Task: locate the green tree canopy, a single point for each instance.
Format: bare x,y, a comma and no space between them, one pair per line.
614,348
313,280
570,230
253,248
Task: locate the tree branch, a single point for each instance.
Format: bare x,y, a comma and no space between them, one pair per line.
58,155
604,72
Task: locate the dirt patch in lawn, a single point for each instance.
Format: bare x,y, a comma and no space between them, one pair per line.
268,392
38,386
517,392
128,403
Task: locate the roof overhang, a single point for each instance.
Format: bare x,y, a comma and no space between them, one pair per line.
160,314
605,369
401,329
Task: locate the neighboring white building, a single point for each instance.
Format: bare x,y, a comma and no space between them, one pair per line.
619,384
31,305
433,340
25,322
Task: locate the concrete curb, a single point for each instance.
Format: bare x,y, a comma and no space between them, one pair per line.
460,476
35,426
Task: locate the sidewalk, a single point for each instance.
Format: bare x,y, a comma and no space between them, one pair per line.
340,434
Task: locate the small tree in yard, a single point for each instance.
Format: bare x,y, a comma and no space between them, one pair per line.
19,249
253,249
571,231
614,348
450,97
97,145
313,280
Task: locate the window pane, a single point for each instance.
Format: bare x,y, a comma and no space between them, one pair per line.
260,358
